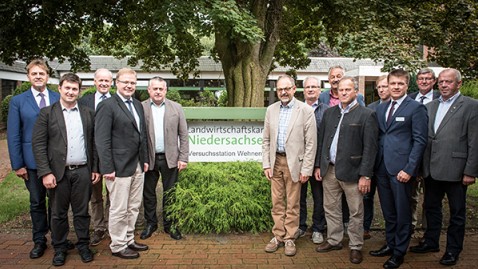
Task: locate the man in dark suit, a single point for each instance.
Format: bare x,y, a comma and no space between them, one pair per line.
168,147
120,137
66,161
403,133
22,114
311,95
368,198
450,164
344,163
425,81
99,212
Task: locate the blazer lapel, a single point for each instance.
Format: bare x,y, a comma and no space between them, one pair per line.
398,110
293,118
58,114
31,100
432,112
454,107
126,111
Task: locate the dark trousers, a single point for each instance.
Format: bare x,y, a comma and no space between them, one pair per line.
73,189
368,204
39,212
456,193
169,178
318,216
395,201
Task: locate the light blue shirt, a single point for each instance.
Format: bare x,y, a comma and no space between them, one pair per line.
76,150
98,98
443,108
333,147
158,123
284,118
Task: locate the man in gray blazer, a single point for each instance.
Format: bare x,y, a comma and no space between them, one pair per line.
99,213
450,164
168,148
288,151
120,137
344,163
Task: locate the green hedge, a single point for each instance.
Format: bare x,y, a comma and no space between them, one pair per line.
222,198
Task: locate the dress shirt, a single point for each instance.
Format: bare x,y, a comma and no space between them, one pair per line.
428,97
135,113
98,98
334,101
397,105
158,122
76,150
443,108
333,146
284,118
37,96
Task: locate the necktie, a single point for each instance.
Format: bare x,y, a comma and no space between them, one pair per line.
130,107
42,100
102,97
390,113
422,98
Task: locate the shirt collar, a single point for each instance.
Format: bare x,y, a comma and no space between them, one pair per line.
98,95
63,108
429,95
451,99
160,105
35,92
347,108
289,105
400,100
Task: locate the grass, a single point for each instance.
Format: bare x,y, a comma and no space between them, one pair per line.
14,198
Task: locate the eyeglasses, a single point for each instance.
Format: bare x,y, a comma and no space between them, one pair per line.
423,79
311,87
132,83
286,89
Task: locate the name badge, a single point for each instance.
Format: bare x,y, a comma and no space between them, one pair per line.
400,119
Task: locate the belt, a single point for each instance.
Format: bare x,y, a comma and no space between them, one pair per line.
160,154
75,166
280,153
332,164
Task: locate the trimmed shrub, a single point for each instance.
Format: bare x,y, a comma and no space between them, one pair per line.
470,88
222,198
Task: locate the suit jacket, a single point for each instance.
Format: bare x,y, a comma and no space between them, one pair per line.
22,114
175,127
88,100
50,142
374,105
402,143
356,146
436,95
120,142
301,139
453,150
324,98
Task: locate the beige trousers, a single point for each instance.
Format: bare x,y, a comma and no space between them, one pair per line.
285,201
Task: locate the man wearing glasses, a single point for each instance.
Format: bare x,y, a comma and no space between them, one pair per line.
121,141
288,151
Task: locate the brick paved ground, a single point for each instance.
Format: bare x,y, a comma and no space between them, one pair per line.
221,251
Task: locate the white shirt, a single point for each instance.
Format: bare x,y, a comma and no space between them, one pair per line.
37,96
158,123
428,97
98,98
76,150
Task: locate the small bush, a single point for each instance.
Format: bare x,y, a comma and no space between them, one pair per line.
470,88
222,198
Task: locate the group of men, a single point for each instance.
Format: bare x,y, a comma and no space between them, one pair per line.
64,147
348,151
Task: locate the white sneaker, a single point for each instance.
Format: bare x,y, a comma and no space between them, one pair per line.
317,238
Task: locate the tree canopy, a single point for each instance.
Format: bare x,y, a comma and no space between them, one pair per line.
250,36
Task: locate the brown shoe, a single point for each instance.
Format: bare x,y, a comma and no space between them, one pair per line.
326,247
366,235
356,256
273,245
126,253
290,249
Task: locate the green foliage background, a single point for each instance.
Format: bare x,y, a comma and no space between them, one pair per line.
222,198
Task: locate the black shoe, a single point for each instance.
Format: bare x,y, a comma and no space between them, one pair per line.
126,253
148,231
448,259
423,248
59,258
69,245
382,252
138,246
174,233
38,250
86,255
393,262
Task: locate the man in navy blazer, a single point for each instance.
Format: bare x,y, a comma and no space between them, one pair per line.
22,114
99,213
402,140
